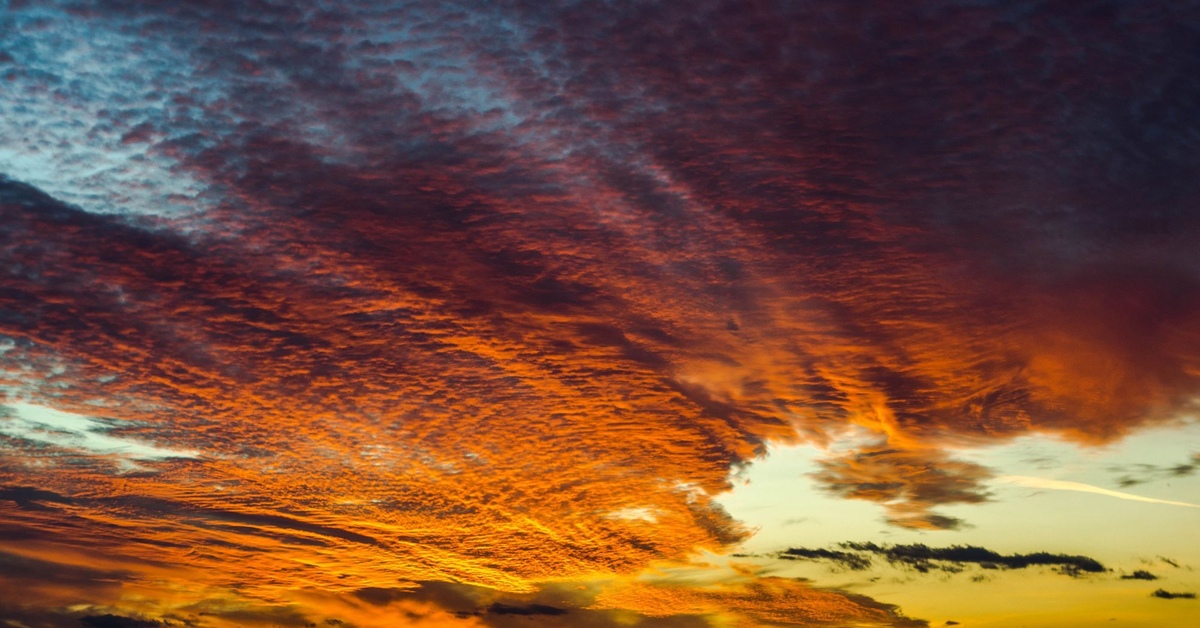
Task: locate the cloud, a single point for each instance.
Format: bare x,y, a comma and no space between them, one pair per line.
1167,595
30,498
528,610
239,446
750,597
428,292
908,482
1061,485
552,604
1143,473
850,560
747,597
763,600
22,571
1140,574
117,621
924,559
72,431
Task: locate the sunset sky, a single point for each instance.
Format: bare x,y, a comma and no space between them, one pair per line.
575,313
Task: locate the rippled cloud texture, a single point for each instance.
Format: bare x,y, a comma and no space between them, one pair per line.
383,312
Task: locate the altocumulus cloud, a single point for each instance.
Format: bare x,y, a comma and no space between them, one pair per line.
424,292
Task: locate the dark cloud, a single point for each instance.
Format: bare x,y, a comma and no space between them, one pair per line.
30,498
1140,574
37,616
924,558
117,621
550,605
1167,595
850,560
1187,468
857,556
528,610
1132,475
265,615
18,570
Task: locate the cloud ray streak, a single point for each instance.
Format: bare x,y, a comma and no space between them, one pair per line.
1064,485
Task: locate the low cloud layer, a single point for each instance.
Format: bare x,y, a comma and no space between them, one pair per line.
923,559
1168,595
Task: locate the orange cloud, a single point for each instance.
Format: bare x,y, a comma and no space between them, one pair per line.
757,601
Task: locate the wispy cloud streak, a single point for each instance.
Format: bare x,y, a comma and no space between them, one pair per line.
1063,485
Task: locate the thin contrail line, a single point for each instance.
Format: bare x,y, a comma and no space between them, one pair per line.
1061,485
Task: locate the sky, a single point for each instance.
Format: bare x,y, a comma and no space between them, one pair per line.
599,314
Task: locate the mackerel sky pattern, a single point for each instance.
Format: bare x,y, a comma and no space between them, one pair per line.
501,293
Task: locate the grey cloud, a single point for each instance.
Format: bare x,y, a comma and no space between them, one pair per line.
924,559
1168,595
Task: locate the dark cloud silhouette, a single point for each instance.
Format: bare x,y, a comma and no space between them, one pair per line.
30,498
924,558
952,559
117,621
1167,595
527,610
19,570
850,560
1139,574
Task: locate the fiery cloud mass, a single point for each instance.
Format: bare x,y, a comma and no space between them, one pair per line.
488,313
